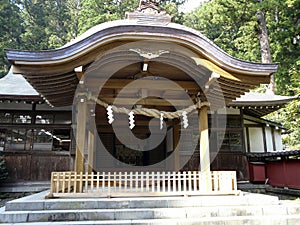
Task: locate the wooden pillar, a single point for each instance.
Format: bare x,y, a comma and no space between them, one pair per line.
206,184
264,138
273,139
204,139
176,131
91,148
80,134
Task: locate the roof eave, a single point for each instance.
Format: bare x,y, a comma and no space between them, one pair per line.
125,29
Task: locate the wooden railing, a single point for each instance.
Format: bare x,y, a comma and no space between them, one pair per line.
101,184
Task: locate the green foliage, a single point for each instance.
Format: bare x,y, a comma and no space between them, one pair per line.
93,12
289,116
10,31
45,24
283,18
3,172
49,24
232,25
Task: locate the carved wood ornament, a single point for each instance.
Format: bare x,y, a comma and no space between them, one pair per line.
149,9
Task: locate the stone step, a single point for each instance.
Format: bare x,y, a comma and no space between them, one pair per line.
38,202
249,220
248,208
149,213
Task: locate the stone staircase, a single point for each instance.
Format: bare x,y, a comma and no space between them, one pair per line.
244,209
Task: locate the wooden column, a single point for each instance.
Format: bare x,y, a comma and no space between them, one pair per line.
204,139
206,184
273,139
264,138
91,147
80,134
176,128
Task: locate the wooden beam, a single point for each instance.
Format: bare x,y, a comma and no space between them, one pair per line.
105,129
145,84
79,72
254,80
124,123
56,91
145,101
56,83
213,78
51,77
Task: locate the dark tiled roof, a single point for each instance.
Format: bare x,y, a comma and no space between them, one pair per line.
258,104
274,154
16,85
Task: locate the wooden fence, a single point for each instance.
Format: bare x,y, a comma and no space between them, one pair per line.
112,184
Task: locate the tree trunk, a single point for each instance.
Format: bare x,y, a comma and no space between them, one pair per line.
264,45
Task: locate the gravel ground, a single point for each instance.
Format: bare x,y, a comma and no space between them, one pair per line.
6,197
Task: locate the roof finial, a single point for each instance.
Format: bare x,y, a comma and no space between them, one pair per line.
150,10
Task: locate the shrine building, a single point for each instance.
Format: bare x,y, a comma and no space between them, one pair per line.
142,95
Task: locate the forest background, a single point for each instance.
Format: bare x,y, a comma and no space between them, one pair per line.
233,25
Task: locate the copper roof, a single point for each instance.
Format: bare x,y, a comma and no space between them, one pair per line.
259,104
16,84
52,74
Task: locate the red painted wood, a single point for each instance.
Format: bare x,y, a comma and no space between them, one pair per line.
257,172
284,173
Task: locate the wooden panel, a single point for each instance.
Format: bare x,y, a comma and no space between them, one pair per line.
42,166
18,166
231,161
35,165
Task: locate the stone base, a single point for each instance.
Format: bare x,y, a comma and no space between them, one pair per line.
247,208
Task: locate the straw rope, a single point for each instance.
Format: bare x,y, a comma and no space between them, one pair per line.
146,111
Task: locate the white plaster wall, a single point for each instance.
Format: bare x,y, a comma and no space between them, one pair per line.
278,140
256,139
269,139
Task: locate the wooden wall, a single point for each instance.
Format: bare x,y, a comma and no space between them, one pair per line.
236,161
36,165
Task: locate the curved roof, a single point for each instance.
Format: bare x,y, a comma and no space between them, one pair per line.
131,29
16,84
52,73
258,104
